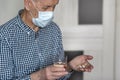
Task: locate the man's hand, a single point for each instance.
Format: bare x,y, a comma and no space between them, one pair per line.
80,63
49,73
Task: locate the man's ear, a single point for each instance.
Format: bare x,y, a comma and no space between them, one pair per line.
27,4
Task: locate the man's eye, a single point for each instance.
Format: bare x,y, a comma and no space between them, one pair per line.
45,8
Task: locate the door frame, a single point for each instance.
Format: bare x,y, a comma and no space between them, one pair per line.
109,39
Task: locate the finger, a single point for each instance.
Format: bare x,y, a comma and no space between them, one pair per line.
91,67
58,69
59,64
87,70
86,64
53,78
88,57
82,69
59,74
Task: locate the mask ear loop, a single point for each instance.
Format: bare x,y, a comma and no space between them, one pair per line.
35,8
31,14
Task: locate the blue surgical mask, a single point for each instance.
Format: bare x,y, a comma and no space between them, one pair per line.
44,18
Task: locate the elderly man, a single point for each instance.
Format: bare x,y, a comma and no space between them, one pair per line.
30,42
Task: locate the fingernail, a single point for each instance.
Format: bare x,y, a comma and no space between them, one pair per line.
64,69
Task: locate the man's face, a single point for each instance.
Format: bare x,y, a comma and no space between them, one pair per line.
45,5
33,6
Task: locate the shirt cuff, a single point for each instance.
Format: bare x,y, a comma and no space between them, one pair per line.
26,78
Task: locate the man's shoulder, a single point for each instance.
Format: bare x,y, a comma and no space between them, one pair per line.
54,26
53,29
11,22
5,28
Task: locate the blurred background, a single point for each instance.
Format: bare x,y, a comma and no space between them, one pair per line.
91,26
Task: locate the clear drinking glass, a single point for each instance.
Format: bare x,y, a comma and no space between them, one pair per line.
60,60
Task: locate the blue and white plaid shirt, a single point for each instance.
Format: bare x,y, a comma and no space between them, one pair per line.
23,51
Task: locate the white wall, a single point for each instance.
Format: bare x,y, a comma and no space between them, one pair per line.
117,68
9,9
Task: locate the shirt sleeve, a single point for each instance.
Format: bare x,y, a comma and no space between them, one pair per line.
62,54
7,63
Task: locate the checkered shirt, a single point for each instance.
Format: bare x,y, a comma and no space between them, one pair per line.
23,51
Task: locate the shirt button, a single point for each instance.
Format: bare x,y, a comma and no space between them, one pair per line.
36,40
28,33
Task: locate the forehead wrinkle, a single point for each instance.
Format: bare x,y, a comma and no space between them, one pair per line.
49,2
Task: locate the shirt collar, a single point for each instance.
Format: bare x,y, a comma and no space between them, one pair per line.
24,26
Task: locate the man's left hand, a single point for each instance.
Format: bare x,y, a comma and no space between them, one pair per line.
80,63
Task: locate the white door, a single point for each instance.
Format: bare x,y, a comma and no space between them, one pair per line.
94,39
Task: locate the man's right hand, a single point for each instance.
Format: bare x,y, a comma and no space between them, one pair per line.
49,73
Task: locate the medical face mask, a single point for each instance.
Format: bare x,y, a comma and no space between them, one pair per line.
44,18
